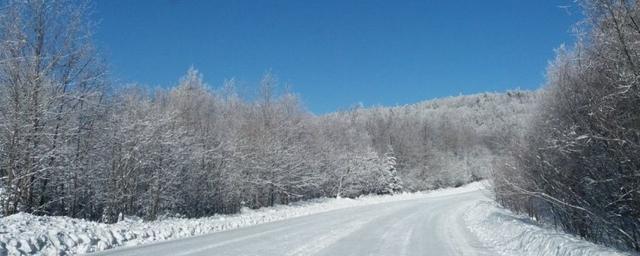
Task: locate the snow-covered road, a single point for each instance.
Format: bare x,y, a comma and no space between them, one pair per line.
427,226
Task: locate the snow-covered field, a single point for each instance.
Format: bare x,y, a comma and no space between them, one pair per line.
509,234
22,234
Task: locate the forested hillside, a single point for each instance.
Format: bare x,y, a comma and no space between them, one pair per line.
444,142
74,143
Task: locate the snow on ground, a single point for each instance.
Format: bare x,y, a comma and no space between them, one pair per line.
510,234
26,234
497,229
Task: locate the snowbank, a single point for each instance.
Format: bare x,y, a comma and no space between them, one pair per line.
509,234
26,234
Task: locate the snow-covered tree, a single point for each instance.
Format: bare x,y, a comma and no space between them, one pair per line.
70,147
52,83
392,181
579,167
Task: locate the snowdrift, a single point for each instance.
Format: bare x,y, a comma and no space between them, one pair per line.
510,234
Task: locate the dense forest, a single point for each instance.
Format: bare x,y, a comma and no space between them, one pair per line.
73,143
578,165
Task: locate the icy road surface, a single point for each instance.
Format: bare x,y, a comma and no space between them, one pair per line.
428,226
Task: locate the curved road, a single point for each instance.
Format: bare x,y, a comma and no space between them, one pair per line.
429,226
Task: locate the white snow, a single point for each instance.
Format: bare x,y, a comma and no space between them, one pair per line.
497,229
26,234
509,234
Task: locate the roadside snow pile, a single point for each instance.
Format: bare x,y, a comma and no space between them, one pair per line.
509,234
26,234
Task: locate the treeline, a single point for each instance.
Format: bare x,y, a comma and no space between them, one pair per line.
445,142
72,144
578,167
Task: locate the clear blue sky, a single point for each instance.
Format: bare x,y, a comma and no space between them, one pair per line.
336,53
